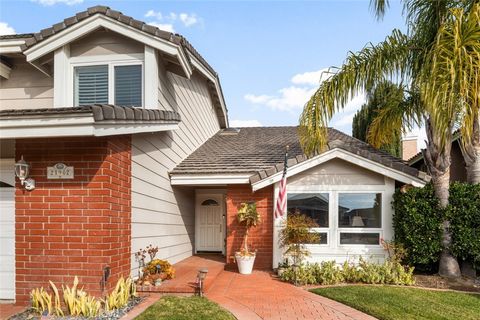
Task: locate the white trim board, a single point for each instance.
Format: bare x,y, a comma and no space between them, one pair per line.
98,20
4,70
344,155
11,46
84,125
208,179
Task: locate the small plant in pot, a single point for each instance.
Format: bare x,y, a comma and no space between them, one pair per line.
248,216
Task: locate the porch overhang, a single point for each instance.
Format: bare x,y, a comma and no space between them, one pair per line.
209,179
96,120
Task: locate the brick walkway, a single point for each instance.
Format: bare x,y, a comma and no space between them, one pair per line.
260,296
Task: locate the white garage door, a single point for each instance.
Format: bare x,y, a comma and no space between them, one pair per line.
7,230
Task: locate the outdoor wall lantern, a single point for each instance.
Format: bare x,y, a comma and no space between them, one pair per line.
22,169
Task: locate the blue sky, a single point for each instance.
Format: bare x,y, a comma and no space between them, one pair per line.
268,53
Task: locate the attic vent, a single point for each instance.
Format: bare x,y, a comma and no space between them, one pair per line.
229,131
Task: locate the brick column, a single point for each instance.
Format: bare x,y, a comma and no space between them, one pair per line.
261,237
67,228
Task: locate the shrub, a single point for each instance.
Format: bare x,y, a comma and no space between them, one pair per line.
295,234
78,303
417,225
464,214
329,273
165,268
119,297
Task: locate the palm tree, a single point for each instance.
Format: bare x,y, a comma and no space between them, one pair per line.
406,58
453,81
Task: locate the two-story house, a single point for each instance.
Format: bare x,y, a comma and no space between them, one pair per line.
124,129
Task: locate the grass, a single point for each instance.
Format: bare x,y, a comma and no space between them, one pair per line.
392,303
185,308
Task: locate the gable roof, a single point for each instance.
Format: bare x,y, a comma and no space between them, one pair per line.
260,151
188,56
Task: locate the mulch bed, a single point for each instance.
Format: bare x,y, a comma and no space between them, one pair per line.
30,314
437,282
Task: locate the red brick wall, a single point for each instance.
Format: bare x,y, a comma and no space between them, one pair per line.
261,237
73,227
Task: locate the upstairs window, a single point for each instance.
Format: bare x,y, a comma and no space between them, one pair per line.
108,84
128,85
91,85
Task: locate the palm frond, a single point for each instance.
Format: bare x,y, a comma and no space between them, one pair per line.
394,119
361,71
451,79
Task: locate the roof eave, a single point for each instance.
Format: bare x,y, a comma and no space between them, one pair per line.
275,174
76,124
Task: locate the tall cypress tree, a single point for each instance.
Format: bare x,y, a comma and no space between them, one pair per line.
387,93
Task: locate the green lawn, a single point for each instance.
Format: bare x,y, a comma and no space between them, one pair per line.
387,302
185,308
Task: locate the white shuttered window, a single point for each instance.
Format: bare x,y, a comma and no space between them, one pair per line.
117,84
91,85
128,85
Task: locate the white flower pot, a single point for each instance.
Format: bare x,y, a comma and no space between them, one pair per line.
245,263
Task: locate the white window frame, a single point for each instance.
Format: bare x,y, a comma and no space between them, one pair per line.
333,231
379,230
111,61
326,230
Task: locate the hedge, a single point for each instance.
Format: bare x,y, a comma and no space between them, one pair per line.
417,224
464,214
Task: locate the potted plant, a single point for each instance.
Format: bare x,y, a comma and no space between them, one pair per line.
248,216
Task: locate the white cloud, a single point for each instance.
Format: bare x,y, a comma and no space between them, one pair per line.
303,85
163,26
151,13
167,22
313,78
257,99
290,98
244,123
54,2
6,29
188,19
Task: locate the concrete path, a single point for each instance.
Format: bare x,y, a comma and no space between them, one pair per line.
261,296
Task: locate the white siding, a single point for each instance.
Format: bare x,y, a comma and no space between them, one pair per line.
334,177
27,88
163,215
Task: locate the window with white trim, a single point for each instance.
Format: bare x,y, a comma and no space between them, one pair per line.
362,212
315,206
353,218
112,83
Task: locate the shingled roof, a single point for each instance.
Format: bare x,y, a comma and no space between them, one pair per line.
260,152
100,112
35,38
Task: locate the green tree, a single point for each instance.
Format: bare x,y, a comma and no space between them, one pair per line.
440,38
384,96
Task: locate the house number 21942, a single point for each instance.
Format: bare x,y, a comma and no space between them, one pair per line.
60,171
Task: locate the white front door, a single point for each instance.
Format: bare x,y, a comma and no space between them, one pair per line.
209,223
7,230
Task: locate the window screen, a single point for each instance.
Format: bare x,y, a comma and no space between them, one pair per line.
128,85
91,85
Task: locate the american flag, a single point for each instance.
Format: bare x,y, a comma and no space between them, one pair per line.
281,206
